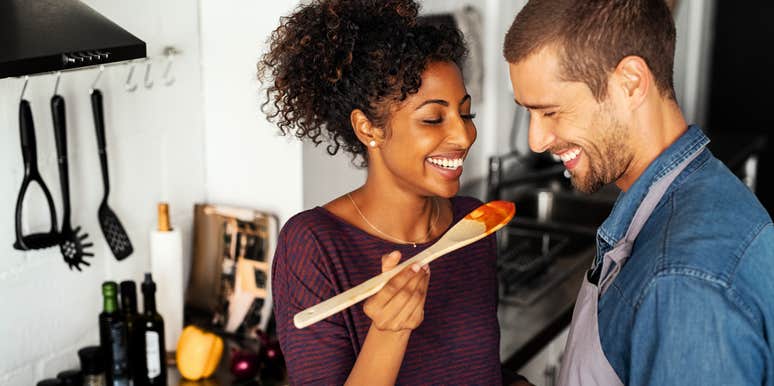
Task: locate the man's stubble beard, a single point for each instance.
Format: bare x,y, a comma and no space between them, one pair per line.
608,158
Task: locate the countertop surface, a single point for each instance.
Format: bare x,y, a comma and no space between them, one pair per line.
526,329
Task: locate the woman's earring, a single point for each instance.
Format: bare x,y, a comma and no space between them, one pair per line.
372,143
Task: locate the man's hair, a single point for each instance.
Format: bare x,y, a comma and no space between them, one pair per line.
592,36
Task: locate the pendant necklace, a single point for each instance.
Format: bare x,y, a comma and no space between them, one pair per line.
401,241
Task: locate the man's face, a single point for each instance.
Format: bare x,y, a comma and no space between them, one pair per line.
566,120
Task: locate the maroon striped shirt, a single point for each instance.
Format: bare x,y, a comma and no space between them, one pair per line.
320,255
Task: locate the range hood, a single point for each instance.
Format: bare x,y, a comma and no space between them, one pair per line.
39,36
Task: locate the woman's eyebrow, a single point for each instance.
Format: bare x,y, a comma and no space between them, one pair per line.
436,101
442,102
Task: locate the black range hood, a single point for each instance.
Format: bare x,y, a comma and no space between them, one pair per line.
39,36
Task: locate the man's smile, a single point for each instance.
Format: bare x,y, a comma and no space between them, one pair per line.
569,157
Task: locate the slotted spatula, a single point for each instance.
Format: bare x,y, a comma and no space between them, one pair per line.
479,223
73,245
114,232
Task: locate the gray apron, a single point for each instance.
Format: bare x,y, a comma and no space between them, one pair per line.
584,362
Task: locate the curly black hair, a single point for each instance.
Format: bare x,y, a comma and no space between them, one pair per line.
331,57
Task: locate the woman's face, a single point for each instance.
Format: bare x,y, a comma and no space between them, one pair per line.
430,133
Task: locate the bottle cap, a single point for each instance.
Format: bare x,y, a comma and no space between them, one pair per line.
70,377
128,295
50,382
92,362
109,288
148,285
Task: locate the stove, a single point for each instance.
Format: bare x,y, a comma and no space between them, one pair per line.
531,262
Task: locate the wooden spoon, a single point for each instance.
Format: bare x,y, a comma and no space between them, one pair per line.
479,223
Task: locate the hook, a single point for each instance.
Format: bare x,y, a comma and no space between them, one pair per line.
128,85
24,88
99,74
170,53
148,81
56,85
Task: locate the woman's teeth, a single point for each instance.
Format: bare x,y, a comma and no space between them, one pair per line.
446,162
569,155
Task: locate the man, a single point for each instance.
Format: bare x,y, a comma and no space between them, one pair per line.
682,288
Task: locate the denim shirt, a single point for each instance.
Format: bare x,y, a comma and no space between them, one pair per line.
694,303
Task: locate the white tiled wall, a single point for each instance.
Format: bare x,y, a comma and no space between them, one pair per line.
248,163
201,139
155,149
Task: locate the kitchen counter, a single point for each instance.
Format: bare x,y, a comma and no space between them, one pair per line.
526,329
222,375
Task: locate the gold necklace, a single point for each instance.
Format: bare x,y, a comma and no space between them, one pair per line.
413,243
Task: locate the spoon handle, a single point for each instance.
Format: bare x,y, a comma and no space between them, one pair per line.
479,223
354,295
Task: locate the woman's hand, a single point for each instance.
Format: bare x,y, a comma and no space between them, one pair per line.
400,305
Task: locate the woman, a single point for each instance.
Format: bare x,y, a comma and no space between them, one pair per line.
365,77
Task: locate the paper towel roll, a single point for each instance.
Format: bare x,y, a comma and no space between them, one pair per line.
166,255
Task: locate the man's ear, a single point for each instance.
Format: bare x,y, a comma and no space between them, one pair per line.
365,131
633,78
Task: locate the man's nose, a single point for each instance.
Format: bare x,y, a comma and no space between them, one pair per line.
540,137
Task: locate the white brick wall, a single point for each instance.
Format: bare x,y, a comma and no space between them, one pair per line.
247,162
202,139
156,152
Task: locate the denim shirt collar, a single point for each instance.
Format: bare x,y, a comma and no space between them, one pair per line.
615,226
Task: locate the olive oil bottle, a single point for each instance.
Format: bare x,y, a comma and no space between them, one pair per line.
152,327
113,337
132,318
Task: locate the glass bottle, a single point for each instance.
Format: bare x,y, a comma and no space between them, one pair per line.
49,382
155,369
92,366
113,338
70,377
131,317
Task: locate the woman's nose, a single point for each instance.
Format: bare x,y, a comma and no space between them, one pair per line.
463,133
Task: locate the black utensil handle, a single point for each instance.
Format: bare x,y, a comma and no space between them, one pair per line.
18,217
99,126
30,156
28,149
60,134
29,146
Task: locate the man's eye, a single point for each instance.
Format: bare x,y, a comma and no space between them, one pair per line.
549,114
432,121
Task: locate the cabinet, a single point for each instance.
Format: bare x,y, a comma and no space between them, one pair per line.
543,369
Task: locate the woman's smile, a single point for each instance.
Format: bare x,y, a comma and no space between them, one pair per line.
448,165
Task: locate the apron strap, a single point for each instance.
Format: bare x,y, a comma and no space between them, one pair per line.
622,250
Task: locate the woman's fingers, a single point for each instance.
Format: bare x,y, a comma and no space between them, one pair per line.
378,300
390,260
401,307
390,300
412,311
402,297
400,304
418,315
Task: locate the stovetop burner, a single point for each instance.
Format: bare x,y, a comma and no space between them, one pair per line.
526,262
